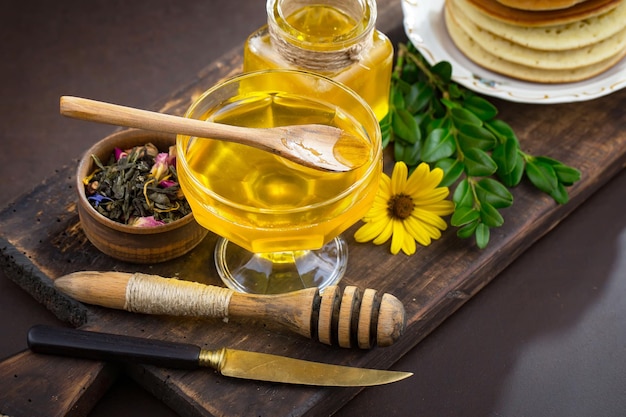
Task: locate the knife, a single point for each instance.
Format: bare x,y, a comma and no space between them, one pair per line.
228,362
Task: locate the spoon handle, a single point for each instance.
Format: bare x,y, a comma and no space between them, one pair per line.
310,145
101,112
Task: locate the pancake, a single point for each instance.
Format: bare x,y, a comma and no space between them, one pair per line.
580,11
565,59
484,58
554,38
537,5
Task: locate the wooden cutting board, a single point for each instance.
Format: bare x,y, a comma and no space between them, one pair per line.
41,239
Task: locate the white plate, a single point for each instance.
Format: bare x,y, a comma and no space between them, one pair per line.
425,27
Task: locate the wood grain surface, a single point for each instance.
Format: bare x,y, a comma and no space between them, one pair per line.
41,239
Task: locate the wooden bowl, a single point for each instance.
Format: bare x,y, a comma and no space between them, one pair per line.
142,245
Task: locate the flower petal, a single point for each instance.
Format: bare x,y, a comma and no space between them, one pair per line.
423,183
369,231
167,183
418,231
385,234
148,221
384,188
120,153
376,217
432,196
416,181
398,178
160,167
441,208
430,218
409,246
397,238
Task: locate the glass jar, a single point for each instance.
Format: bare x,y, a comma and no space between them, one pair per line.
335,38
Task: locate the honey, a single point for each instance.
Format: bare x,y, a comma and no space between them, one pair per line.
261,201
333,38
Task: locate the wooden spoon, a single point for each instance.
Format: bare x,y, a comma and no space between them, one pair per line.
317,146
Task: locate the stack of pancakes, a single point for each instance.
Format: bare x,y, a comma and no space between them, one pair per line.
544,41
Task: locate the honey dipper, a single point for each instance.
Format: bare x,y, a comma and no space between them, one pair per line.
349,319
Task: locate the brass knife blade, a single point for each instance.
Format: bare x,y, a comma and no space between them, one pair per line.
228,362
267,367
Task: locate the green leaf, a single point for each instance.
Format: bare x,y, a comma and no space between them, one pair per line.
490,216
438,145
386,130
406,152
546,160
452,171
472,136
513,178
502,129
438,123
97,161
464,215
450,104
418,97
462,196
467,230
405,126
560,194
566,174
478,163
455,91
481,107
437,108
444,70
494,193
398,150
482,236
396,94
410,95
505,156
463,116
542,176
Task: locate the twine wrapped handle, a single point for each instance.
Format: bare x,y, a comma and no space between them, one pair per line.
147,294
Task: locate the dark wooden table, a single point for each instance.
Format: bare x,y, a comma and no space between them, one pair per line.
545,337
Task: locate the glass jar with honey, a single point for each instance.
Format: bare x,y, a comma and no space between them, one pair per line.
280,223
335,38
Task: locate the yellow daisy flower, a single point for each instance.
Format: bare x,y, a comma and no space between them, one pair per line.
407,210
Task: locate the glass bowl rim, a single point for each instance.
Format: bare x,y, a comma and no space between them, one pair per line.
376,142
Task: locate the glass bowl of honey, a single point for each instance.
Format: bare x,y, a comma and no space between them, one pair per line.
279,223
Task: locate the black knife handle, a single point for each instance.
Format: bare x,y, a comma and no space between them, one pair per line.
111,347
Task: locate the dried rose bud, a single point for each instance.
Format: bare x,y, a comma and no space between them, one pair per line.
148,221
151,150
119,154
160,167
172,156
167,183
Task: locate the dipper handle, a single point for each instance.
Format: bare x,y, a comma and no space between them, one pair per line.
347,319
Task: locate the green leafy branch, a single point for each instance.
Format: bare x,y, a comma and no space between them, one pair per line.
434,120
